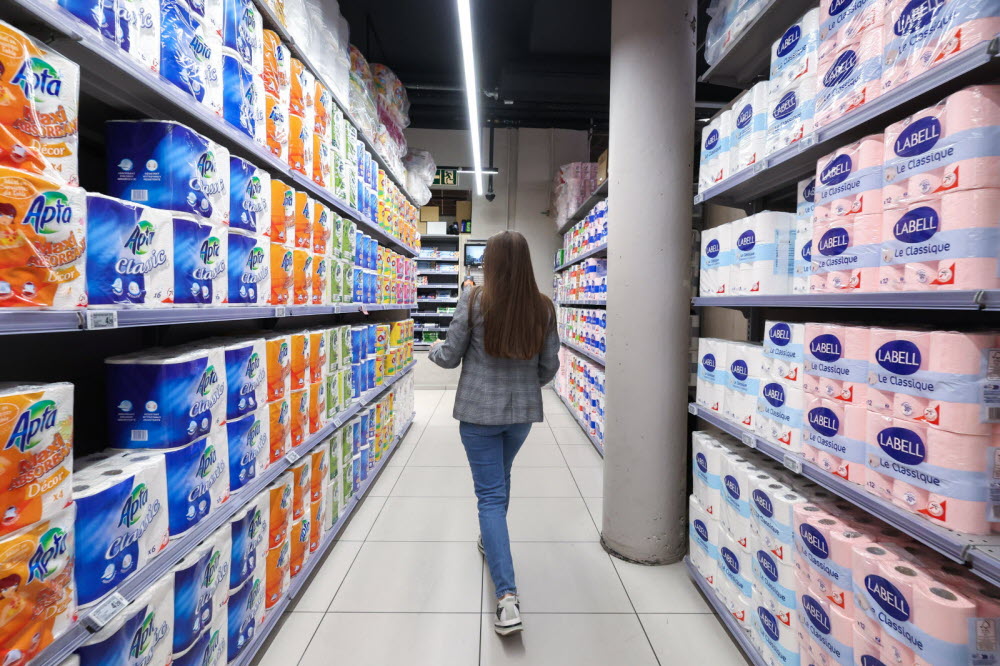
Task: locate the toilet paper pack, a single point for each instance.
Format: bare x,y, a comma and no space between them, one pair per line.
743,382
791,110
794,55
243,33
246,614
776,629
282,229
762,253
139,31
749,127
201,250
703,535
277,67
56,89
122,510
249,530
191,53
243,102
167,165
249,447
42,258
715,155
36,582
211,647
167,397
142,633
36,462
842,22
849,76
201,588
249,269
784,351
249,197
849,180
846,254
712,373
276,125
802,263
130,258
246,375
714,278
781,405
99,15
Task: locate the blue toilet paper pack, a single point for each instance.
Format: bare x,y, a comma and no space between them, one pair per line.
130,254
246,613
98,14
246,374
142,634
165,398
166,165
243,32
249,538
249,269
210,649
191,53
122,511
201,589
243,104
201,253
248,438
249,197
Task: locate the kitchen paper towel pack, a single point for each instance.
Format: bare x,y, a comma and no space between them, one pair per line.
836,362
36,581
849,75
201,249
249,533
249,269
243,102
790,113
784,352
130,258
794,55
142,633
165,398
249,197
749,127
122,509
166,165
201,588
743,383
57,107
712,373
191,53
715,156
36,462
762,253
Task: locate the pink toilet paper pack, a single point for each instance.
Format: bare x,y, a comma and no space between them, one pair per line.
849,180
951,146
849,77
947,242
836,431
816,549
843,21
829,628
921,34
836,362
846,253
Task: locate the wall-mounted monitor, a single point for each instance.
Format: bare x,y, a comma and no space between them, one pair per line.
474,254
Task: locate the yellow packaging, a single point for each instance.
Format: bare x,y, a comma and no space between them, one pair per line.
317,518
318,352
300,145
303,212
380,369
277,126
300,544
321,280
36,461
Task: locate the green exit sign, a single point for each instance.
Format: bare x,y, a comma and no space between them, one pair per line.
446,177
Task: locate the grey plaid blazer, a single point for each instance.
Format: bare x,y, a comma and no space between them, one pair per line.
494,391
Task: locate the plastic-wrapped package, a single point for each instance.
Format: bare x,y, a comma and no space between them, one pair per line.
391,95
729,19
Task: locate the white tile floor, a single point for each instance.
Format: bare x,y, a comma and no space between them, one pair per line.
406,585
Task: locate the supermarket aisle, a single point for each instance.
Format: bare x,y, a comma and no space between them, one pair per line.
405,584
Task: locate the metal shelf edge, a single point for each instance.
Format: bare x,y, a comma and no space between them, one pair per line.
602,248
901,300
586,432
583,352
724,615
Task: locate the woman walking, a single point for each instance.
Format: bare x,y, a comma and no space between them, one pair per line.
504,336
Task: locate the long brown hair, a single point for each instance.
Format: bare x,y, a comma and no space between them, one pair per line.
516,316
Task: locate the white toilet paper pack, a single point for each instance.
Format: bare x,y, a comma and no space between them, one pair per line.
249,530
249,269
249,454
762,253
714,278
243,103
130,258
166,165
782,403
743,382
802,264
143,633
191,53
707,453
165,398
794,55
749,136
805,197
249,198
776,630
791,111
122,511
715,156
201,589
712,373
57,106
139,31
784,351
201,250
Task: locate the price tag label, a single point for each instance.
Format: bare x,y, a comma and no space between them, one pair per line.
292,457
281,311
693,409
809,141
95,319
793,463
106,611
698,199
760,166
749,440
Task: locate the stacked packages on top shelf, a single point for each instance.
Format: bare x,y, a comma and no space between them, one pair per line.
573,184
836,58
814,580
914,209
729,18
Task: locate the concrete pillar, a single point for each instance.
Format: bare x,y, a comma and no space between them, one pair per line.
649,262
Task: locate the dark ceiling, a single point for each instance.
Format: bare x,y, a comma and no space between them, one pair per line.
540,64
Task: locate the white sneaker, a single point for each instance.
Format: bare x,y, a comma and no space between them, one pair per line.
508,616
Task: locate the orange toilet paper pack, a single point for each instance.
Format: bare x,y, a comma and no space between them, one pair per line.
282,274
282,212
299,417
280,514
37,591
279,413
43,237
36,462
300,360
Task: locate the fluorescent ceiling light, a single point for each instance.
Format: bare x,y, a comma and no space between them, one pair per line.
471,89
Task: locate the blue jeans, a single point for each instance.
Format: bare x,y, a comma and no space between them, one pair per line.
491,451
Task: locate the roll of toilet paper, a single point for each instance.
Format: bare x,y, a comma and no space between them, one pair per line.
749,127
735,563
850,76
715,154
249,197
166,165
794,55
246,613
191,53
165,398
949,147
243,33
790,112
776,630
783,404
243,103
784,351
36,463
716,261
707,457
210,649
849,180
837,431
249,535
249,439
36,580
57,105
201,588
200,274
142,632
122,508
249,269
43,263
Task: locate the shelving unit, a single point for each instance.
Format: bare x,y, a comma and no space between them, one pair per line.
586,430
92,617
111,76
600,193
599,251
724,615
425,309
589,355
583,304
